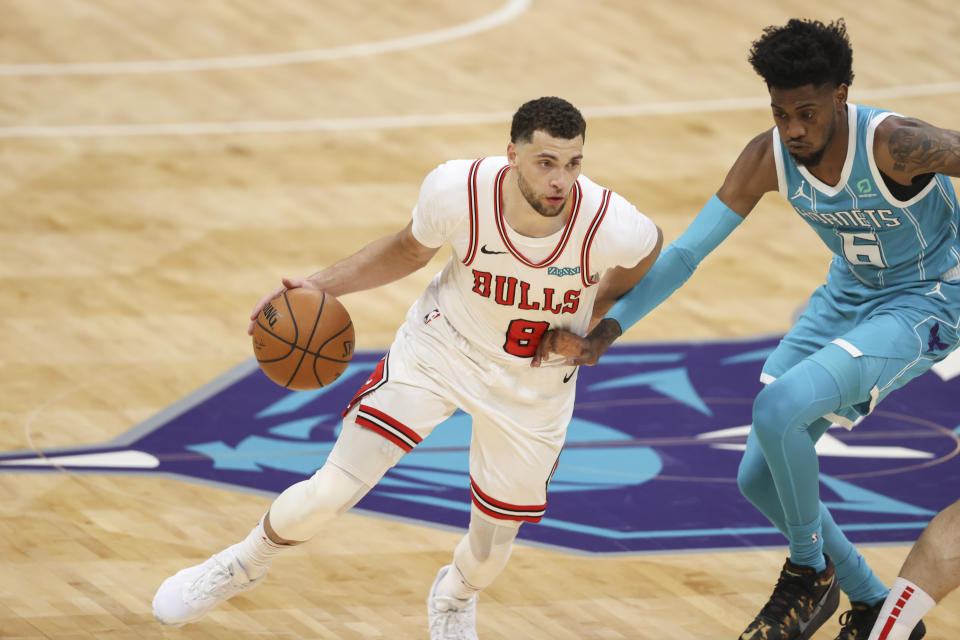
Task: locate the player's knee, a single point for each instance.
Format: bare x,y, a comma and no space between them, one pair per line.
301,510
774,410
332,490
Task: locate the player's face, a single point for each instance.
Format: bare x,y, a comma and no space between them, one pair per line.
546,169
807,119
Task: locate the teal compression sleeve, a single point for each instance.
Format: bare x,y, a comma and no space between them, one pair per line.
677,262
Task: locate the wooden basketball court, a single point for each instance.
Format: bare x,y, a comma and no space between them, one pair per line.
164,164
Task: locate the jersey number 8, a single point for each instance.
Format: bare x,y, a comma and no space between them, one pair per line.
523,336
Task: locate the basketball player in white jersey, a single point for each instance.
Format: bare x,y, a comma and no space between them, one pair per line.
536,246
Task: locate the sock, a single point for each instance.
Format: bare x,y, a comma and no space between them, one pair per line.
452,585
901,611
256,551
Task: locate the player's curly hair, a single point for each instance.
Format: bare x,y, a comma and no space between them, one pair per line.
553,115
803,52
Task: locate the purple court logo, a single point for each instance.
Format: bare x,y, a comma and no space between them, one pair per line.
650,462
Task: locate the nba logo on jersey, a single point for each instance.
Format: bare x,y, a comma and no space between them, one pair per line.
433,315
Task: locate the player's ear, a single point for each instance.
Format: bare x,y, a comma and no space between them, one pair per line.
840,96
512,154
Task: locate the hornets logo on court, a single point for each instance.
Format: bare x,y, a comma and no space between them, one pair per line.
650,461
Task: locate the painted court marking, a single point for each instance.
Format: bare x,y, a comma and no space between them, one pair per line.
510,10
430,120
651,419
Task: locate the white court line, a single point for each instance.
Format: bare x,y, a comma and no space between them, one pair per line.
510,10
434,120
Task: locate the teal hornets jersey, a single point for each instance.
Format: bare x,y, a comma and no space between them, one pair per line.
883,241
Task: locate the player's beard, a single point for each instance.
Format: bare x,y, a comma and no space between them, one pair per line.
540,207
810,160
813,159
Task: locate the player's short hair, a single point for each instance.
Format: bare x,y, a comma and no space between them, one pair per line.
555,116
803,52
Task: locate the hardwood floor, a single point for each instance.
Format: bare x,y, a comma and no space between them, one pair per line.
162,165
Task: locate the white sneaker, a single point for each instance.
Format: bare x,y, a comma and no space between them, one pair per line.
190,593
451,618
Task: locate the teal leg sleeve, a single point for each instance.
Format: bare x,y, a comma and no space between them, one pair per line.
781,413
855,576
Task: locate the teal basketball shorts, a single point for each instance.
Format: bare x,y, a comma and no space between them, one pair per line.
872,341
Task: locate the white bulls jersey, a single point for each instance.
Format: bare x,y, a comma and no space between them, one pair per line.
501,290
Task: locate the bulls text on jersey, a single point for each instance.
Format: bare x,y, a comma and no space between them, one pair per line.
510,291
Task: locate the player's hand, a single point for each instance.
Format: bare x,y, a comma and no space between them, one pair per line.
288,283
576,349
569,345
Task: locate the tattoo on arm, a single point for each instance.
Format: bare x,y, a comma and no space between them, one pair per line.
918,149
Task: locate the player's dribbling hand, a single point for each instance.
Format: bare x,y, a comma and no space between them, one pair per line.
288,283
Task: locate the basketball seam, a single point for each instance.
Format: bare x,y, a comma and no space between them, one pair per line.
267,330
316,322
317,355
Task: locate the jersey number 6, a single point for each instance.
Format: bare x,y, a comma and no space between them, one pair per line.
862,248
523,336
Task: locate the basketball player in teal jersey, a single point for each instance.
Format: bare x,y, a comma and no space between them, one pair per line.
874,185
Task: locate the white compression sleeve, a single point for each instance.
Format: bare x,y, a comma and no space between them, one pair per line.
300,511
480,557
358,461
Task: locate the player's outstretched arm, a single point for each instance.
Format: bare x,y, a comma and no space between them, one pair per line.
618,281
385,260
905,148
380,262
752,175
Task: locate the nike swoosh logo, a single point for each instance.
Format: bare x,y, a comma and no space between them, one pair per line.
803,624
567,377
484,249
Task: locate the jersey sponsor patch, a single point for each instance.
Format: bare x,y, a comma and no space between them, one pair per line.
563,271
650,462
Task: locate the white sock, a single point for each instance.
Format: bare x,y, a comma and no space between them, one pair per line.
256,551
453,585
901,611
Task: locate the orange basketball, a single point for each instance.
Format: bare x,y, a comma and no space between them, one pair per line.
303,339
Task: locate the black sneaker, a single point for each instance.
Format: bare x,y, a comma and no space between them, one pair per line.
801,602
858,622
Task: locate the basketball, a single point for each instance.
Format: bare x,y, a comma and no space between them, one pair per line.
303,339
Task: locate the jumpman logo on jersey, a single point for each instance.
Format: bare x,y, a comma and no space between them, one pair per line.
934,344
800,193
936,291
